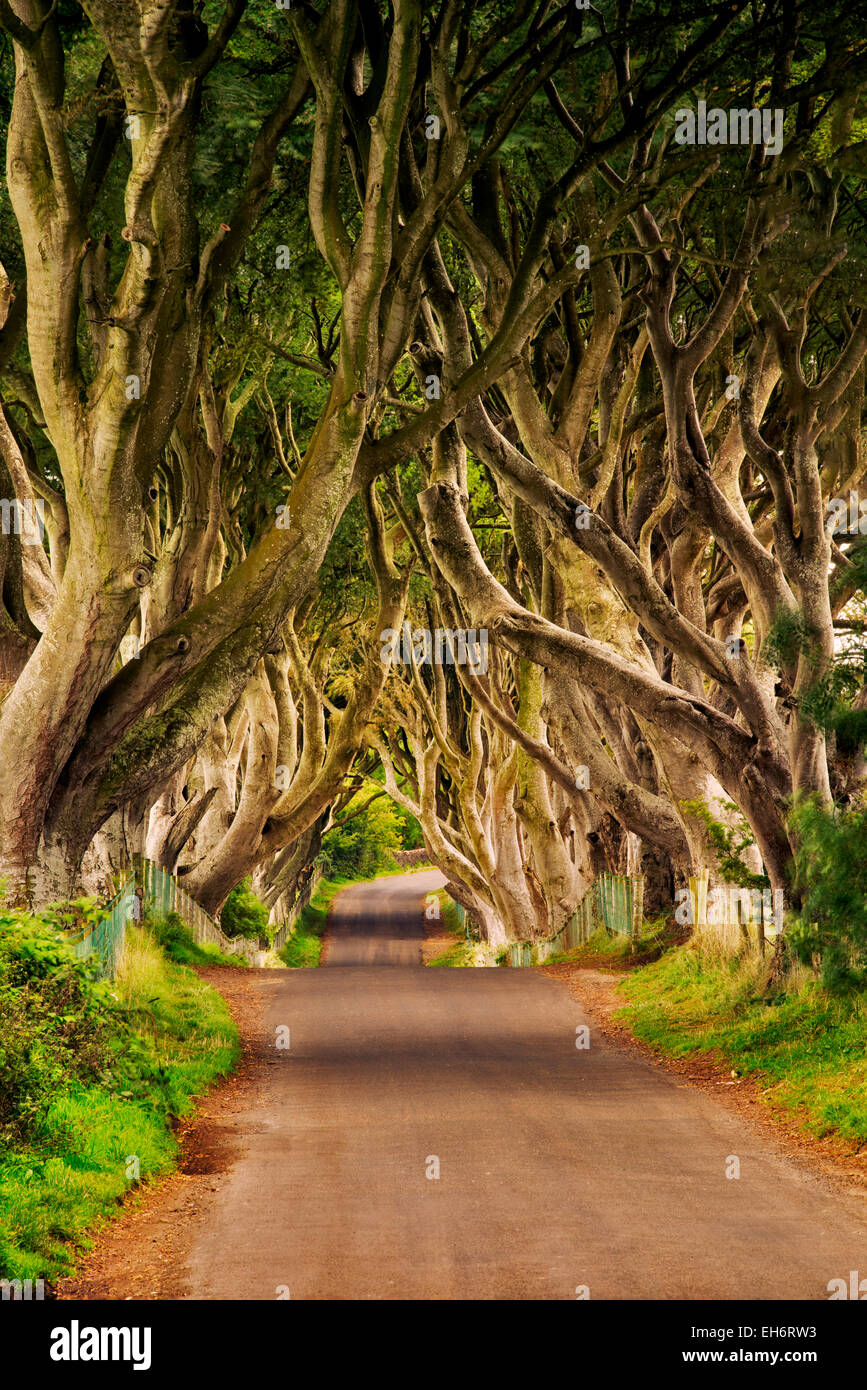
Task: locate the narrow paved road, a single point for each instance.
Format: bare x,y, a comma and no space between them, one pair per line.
558,1167
381,923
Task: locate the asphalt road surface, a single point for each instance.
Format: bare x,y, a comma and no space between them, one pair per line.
381,923
437,1134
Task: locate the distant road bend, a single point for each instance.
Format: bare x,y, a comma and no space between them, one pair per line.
436,1134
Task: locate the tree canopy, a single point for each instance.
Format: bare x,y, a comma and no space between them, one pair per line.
330,328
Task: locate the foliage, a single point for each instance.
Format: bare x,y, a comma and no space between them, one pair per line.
56,1022
806,1045
728,843
828,869
410,831
829,701
364,845
459,953
92,1077
830,872
787,638
179,944
77,913
302,950
244,914
615,951
304,946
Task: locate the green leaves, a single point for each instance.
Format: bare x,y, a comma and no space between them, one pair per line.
55,1021
728,843
830,870
364,846
828,703
244,914
787,639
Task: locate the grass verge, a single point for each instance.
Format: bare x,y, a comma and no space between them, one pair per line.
304,947
179,944
92,1077
807,1046
619,952
461,951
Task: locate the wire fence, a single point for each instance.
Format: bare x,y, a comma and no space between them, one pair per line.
147,890
613,901
162,894
105,938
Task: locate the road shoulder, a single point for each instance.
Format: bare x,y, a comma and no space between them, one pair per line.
833,1159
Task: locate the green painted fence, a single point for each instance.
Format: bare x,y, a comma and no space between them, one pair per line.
149,889
162,893
613,901
106,937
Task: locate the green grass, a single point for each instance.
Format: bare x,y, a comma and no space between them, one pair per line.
458,954
97,1118
807,1047
180,945
304,947
617,951
397,870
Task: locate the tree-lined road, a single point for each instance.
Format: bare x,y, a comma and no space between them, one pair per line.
558,1167
379,923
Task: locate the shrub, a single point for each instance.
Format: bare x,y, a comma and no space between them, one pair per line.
830,873
55,1020
244,914
91,1074
364,845
728,844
